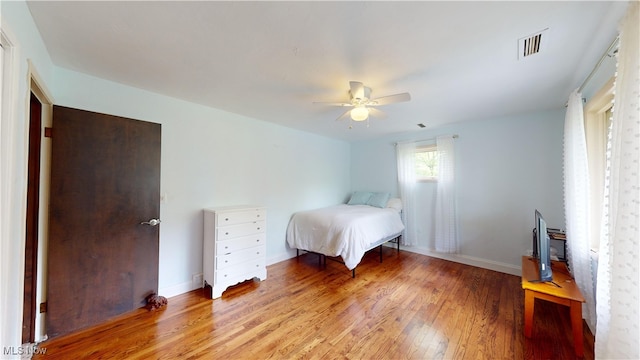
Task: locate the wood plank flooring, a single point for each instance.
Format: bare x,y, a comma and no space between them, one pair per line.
410,306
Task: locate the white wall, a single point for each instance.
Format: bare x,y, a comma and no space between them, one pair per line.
505,169
18,25
209,158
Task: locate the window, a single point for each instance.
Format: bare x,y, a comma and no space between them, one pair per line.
427,163
597,123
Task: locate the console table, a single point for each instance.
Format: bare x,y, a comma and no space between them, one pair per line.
567,294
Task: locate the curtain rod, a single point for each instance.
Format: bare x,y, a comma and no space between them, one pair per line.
416,141
595,68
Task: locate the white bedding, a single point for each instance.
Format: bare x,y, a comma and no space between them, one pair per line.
343,230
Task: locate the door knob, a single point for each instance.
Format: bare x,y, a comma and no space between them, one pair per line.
152,222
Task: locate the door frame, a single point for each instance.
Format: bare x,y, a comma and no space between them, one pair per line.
38,88
11,206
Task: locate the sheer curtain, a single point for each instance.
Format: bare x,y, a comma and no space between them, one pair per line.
576,204
617,334
446,234
406,159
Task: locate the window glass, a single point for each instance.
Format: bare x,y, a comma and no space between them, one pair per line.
427,163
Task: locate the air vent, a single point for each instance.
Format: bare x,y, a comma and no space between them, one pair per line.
533,44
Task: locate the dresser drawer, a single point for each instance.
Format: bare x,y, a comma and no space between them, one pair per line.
237,217
240,256
239,230
231,245
239,270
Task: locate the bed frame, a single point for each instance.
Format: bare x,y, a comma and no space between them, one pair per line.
322,258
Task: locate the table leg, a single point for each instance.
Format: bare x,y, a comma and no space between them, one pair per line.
576,326
529,301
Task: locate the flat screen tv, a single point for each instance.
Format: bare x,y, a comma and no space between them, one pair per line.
542,249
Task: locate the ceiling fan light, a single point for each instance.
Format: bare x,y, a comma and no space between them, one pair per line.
359,113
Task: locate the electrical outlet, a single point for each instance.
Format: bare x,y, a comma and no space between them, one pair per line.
198,280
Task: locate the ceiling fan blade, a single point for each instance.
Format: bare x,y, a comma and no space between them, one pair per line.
332,103
377,113
344,116
357,89
390,99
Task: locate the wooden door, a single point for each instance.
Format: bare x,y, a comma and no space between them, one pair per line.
105,181
32,228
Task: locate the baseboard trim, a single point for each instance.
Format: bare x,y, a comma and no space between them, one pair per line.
290,254
467,260
177,289
185,287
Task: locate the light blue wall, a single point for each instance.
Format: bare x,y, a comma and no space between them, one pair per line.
214,158
505,169
209,158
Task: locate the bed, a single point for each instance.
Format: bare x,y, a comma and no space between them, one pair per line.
346,230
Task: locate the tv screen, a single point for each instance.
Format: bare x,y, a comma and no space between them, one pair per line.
543,248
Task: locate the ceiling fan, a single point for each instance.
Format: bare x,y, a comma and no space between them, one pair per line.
362,105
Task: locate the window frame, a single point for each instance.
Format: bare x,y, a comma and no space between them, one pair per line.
597,126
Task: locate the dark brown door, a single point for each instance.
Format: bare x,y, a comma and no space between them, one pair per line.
105,181
31,228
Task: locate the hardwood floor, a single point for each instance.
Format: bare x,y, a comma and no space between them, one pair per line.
408,307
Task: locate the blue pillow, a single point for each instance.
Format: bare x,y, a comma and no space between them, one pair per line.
359,198
378,200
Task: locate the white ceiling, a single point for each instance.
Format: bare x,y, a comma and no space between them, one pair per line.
271,60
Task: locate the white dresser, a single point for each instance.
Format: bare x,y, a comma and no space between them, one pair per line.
234,246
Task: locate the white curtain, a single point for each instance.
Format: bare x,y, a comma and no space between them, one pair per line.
617,335
576,204
406,159
446,234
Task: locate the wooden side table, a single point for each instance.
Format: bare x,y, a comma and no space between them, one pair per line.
567,294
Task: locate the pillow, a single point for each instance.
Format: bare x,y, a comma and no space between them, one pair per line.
395,203
359,198
378,199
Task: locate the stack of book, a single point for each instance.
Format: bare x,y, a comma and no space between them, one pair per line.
557,234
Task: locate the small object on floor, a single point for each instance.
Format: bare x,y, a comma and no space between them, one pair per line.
156,302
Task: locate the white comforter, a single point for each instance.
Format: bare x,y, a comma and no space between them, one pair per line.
343,230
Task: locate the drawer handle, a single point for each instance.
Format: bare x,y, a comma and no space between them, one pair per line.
226,219
257,240
226,247
226,261
227,233
258,228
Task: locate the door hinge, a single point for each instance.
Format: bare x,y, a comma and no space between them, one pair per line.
43,307
48,132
